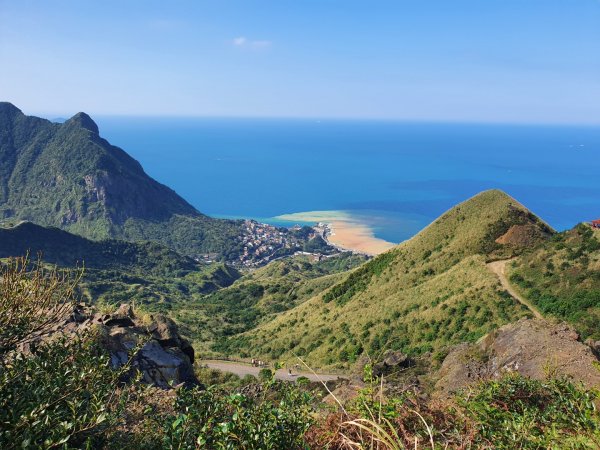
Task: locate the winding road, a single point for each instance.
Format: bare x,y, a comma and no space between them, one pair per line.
499,268
242,369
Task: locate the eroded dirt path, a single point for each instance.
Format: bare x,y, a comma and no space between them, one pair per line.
241,370
499,268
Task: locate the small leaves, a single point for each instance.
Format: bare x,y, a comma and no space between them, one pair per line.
232,421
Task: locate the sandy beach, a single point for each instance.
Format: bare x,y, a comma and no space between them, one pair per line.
346,232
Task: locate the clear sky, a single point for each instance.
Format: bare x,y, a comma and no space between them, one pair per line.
449,60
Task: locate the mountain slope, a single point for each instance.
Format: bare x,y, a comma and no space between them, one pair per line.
259,296
65,175
69,250
561,277
146,273
424,295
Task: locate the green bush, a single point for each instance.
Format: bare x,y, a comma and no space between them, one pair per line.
519,412
218,420
65,395
265,375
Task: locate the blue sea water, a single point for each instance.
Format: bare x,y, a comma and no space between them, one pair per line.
395,176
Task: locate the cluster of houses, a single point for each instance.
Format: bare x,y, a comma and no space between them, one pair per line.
261,241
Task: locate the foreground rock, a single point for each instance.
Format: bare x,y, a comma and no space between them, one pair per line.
156,349
392,361
532,347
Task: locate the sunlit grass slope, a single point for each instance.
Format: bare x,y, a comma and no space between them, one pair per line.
257,297
424,295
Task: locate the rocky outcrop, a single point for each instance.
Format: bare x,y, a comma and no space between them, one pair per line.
595,346
392,361
534,348
523,236
156,350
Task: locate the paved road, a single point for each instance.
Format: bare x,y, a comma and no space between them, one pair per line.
242,369
499,268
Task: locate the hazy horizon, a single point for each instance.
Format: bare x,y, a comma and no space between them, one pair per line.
98,117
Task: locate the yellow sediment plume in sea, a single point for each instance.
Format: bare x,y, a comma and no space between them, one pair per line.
347,232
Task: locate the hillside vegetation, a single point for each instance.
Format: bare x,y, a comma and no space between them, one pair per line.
67,393
562,278
258,297
69,250
148,274
154,293
423,296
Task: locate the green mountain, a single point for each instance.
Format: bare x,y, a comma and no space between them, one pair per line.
529,384
65,175
423,296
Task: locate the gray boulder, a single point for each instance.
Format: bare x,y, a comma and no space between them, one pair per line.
157,351
392,361
533,348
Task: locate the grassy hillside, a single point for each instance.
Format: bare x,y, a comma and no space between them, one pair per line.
155,292
562,278
65,394
258,297
146,273
69,250
424,295
67,176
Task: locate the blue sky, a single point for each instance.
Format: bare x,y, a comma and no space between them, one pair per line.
524,61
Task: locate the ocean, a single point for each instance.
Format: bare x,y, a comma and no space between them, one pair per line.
395,177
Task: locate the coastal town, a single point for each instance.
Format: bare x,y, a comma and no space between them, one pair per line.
262,243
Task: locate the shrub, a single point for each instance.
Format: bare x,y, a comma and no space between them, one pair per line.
512,412
519,412
265,375
32,300
65,395
216,419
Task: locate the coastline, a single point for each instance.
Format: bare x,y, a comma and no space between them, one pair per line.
343,231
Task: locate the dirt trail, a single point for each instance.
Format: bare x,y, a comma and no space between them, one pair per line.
499,268
241,370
